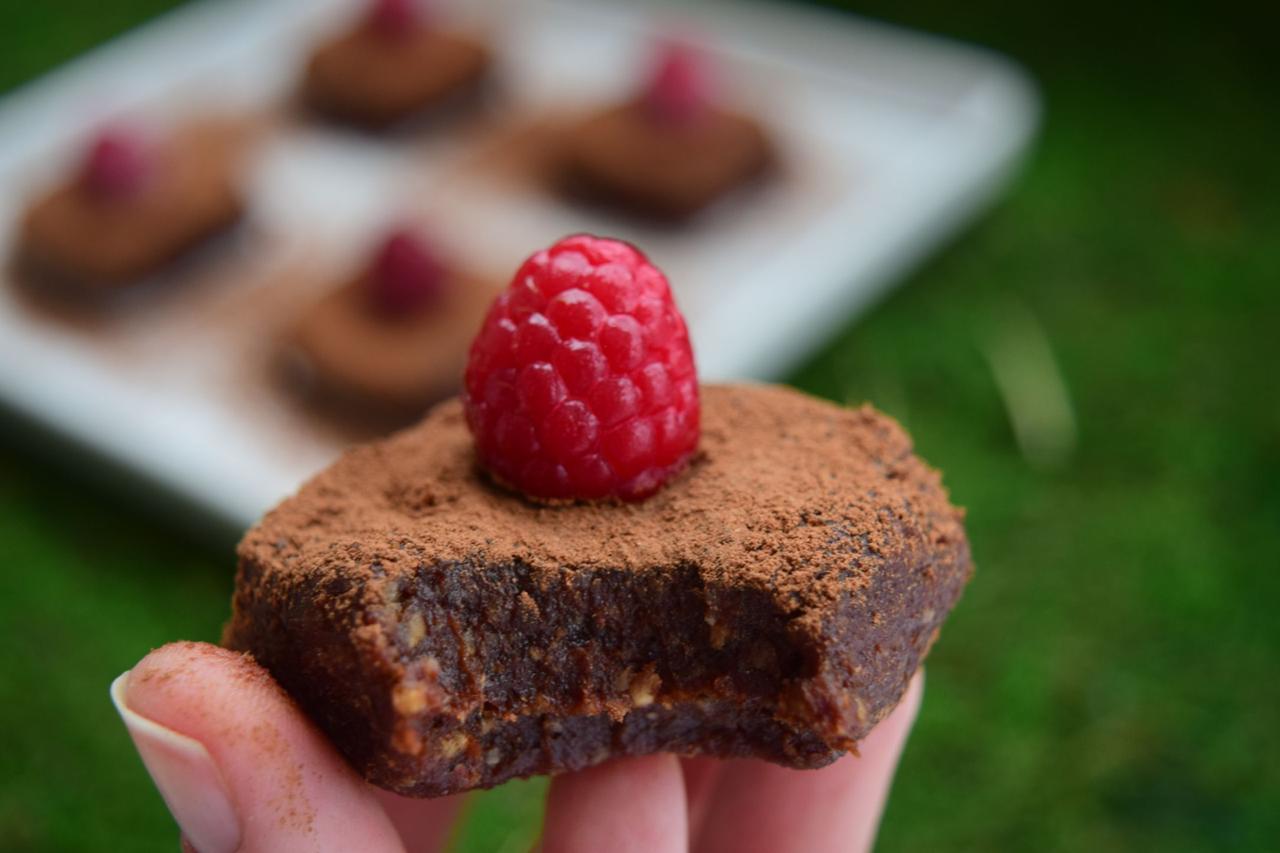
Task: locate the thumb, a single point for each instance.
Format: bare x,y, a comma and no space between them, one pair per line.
238,765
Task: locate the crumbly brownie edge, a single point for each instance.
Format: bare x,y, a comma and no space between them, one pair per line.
422,717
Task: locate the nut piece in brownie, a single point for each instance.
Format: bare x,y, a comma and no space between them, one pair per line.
735,571
392,340
668,151
133,205
394,64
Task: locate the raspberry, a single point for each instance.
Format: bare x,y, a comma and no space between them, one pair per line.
118,165
406,275
394,17
677,91
581,384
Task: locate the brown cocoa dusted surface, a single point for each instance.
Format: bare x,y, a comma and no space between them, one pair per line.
773,601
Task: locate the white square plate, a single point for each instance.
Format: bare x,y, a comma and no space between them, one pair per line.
890,140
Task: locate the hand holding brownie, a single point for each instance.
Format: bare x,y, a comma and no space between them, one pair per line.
644,568
242,769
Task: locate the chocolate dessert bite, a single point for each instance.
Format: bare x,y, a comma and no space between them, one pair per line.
588,556
668,151
132,206
394,64
385,345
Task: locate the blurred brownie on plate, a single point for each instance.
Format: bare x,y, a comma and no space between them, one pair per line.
670,149
396,63
132,205
391,340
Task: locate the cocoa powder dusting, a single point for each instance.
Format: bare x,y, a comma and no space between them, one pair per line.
782,482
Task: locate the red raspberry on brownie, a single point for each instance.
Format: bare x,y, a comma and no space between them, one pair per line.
407,274
678,90
118,165
395,18
581,384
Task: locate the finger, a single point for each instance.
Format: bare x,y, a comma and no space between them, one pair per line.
238,765
424,825
630,804
699,782
763,807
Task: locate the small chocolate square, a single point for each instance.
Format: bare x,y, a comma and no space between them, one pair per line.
348,356
627,158
375,80
75,240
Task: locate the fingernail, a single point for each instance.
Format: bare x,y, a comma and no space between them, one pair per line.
187,778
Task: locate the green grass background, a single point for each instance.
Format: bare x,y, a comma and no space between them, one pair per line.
1110,680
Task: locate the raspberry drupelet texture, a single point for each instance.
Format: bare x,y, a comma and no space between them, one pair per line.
581,384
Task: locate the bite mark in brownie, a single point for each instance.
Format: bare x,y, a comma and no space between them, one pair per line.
774,601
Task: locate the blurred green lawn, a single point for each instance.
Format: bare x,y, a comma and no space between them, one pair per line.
1109,682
